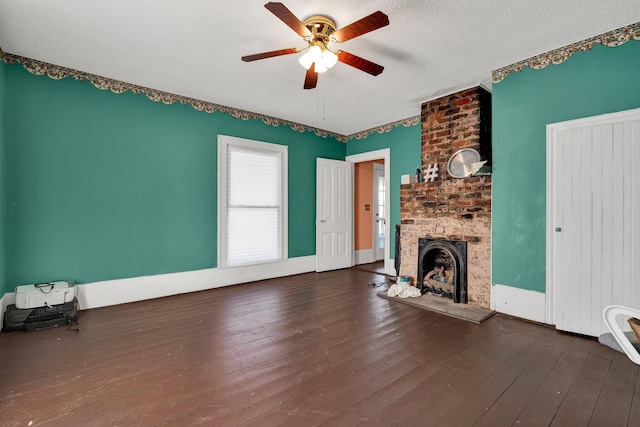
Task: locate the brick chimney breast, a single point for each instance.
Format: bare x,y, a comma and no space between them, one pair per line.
448,208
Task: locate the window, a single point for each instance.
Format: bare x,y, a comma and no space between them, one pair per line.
252,202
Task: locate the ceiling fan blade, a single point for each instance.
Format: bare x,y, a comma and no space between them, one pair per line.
368,23
271,54
285,15
311,79
359,63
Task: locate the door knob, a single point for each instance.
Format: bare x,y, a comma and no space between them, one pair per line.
558,229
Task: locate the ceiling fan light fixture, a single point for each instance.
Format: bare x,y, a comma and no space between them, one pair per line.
314,54
320,67
330,58
321,56
318,32
306,61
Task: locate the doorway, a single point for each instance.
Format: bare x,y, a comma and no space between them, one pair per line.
379,219
384,158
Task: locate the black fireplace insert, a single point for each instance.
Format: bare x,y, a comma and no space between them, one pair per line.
442,268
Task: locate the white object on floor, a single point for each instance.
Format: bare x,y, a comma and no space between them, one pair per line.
609,314
45,294
403,290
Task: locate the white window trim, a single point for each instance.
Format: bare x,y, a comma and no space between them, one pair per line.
223,142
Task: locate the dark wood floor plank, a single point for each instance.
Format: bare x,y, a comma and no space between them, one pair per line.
385,408
418,343
578,405
358,385
499,390
458,376
405,405
614,405
134,358
286,381
378,372
306,350
365,405
325,367
122,345
506,409
440,347
463,405
547,399
634,412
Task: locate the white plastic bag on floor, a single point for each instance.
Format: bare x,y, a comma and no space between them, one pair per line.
403,290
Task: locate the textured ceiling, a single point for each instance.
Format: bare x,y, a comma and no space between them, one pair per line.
193,48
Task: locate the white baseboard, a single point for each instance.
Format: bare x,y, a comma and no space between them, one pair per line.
530,305
364,256
120,291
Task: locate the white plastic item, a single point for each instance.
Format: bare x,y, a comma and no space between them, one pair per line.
407,179
609,314
45,294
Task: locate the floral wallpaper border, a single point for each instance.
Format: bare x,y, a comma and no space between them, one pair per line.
557,56
57,72
411,121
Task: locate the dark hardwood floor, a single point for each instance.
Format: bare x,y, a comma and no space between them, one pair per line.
374,267
313,349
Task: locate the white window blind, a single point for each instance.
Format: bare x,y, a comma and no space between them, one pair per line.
254,188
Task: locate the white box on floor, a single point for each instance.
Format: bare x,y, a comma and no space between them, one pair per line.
45,294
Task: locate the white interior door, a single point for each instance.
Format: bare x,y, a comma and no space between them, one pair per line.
593,219
334,214
379,218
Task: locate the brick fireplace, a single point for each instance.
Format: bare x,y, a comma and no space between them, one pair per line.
447,209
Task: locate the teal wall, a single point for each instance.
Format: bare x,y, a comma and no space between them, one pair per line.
405,145
102,186
2,187
600,81
99,186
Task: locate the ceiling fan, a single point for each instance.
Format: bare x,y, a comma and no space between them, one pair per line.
318,31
